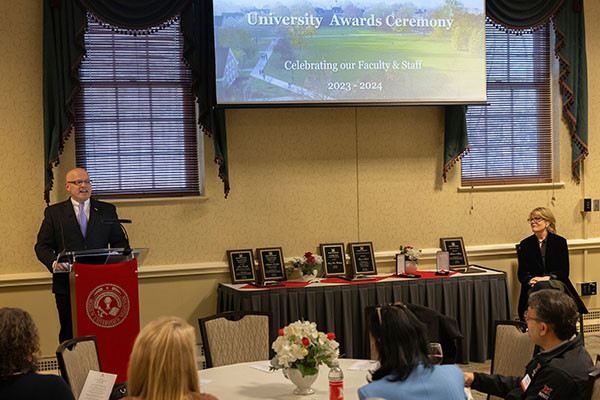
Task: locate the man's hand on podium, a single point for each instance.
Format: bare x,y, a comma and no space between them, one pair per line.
61,267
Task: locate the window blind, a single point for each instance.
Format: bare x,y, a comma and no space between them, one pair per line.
135,130
510,139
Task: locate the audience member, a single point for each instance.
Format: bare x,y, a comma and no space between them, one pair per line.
399,342
163,363
19,349
544,260
560,370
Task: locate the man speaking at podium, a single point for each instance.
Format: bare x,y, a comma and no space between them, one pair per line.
79,223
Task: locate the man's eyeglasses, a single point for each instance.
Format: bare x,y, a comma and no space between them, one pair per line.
535,219
527,318
80,182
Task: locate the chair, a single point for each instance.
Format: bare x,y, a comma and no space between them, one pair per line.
76,357
595,388
440,328
512,349
236,336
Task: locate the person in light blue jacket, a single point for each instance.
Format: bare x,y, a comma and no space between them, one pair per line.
399,342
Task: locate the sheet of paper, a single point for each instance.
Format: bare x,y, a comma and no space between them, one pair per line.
97,386
364,365
262,366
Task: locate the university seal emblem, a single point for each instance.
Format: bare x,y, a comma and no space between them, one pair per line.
107,305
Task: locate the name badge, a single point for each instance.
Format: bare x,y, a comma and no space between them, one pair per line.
525,382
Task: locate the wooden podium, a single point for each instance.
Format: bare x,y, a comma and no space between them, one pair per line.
105,302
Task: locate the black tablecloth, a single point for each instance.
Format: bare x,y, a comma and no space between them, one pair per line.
475,300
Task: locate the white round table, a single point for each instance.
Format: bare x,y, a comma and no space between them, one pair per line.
241,381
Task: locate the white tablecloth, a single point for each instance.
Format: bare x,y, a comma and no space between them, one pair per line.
241,381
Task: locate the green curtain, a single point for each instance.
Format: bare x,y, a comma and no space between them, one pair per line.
519,15
197,28
570,49
456,143
134,14
63,48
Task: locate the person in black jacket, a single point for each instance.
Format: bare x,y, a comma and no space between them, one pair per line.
544,260
560,370
65,227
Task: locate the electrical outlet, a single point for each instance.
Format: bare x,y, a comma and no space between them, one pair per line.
588,288
596,204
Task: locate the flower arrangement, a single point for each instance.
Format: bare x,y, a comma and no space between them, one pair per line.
411,254
301,346
308,264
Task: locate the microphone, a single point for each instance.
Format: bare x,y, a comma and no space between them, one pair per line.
127,250
116,221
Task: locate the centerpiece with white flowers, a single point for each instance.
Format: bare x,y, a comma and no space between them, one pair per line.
308,265
411,257
300,349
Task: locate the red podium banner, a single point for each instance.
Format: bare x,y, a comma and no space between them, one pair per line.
105,303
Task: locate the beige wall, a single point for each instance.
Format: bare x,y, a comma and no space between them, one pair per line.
299,177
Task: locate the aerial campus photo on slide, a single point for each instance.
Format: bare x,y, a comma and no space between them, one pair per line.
294,51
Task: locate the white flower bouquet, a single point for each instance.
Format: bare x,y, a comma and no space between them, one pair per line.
410,253
301,346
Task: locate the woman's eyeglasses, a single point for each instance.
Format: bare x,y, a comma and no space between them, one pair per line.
535,219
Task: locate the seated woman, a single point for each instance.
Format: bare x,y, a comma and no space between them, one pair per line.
162,365
399,341
544,260
19,348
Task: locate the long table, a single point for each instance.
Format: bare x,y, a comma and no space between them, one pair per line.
475,300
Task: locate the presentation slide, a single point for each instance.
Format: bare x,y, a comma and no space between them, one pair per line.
356,51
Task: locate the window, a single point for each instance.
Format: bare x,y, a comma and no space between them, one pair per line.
510,139
135,129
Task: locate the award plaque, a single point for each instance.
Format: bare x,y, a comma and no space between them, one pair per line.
241,265
270,262
456,251
334,259
363,259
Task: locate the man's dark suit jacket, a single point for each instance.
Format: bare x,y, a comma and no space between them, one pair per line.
60,231
557,264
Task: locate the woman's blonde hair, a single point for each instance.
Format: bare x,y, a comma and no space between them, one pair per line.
546,215
163,361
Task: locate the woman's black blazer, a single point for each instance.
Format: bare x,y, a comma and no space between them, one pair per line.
557,264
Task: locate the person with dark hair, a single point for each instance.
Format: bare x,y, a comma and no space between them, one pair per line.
544,260
19,348
560,370
399,342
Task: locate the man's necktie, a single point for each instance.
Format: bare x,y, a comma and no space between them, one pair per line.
82,219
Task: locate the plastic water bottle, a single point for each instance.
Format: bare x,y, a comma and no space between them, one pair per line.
336,381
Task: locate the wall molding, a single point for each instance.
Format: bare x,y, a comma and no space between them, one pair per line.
383,258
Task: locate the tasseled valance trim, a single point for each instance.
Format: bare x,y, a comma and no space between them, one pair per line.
453,162
130,31
568,100
520,30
